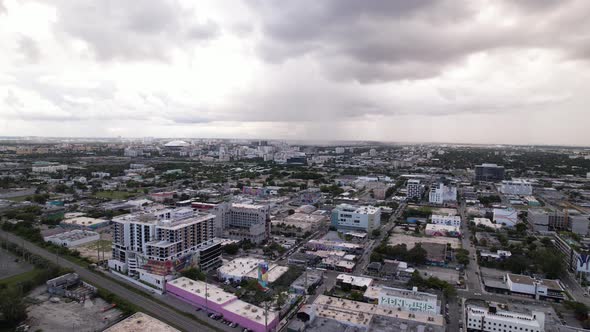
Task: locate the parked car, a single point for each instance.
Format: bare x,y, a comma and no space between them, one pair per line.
233,325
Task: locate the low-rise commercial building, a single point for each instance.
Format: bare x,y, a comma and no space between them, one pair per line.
335,314
403,299
442,230
354,282
85,222
303,259
213,298
506,217
438,219
247,268
516,187
140,322
486,223
494,320
352,248
539,289
309,279
73,238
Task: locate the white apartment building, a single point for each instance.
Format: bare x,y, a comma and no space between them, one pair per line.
243,221
49,168
493,320
155,244
516,187
414,189
366,218
339,150
438,219
442,194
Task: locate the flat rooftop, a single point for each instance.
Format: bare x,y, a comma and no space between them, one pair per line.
526,280
355,280
336,244
215,294
411,241
74,235
240,266
149,217
274,272
304,217
140,322
439,227
247,206
507,316
361,313
365,209
408,293
250,311
83,221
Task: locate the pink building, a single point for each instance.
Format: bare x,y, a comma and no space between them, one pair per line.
222,302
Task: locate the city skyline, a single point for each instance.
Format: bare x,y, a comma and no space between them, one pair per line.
390,71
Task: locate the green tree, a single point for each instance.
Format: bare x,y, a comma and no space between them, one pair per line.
521,228
194,273
376,257
231,249
12,307
417,255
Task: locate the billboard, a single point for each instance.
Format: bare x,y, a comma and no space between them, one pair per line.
263,275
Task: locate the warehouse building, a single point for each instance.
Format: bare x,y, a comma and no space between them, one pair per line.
213,298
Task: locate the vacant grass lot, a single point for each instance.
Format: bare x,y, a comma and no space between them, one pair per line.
114,194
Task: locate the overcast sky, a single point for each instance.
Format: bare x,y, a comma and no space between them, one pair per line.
422,70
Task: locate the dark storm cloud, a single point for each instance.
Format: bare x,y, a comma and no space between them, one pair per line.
130,30
374,41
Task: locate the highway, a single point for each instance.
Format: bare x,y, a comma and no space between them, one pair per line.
149,306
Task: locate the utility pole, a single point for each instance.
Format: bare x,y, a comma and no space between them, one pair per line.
206,296
266,316
98,249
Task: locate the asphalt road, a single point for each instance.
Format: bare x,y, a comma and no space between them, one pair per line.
364,259
472,272
151,307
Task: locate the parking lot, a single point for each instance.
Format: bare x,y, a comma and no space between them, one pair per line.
449,275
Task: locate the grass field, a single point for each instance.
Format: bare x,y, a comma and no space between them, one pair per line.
12,281
102,244
114,194
18,198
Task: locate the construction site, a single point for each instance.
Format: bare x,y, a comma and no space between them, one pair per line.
66,303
